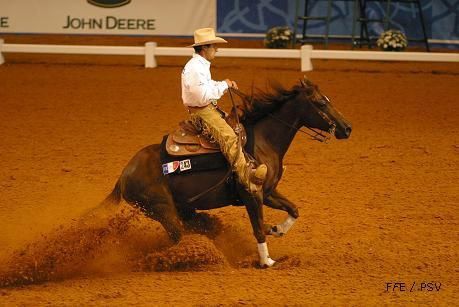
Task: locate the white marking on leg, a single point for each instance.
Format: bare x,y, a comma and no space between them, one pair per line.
265,260
281,229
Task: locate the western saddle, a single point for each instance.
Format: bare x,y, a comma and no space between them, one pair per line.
187,140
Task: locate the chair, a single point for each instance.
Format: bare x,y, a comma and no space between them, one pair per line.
361,17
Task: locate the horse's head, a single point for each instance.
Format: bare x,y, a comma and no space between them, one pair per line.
319,113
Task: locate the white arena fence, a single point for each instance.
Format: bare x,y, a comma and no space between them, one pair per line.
306,53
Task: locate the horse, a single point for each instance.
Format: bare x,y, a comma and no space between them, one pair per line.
273,119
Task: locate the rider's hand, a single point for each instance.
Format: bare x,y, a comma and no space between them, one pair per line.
231,84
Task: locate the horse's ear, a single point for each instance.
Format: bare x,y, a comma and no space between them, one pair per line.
303,83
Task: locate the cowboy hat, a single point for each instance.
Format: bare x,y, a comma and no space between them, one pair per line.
206,36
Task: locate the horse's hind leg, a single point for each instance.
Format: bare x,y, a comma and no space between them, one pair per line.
199,222
167,215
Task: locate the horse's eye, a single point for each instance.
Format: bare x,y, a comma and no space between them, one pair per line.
322,103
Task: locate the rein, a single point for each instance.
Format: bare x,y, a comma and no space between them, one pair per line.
237,130
230,169
315,135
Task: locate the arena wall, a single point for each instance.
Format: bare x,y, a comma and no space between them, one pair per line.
232,18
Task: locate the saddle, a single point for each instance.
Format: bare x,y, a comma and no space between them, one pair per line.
187,140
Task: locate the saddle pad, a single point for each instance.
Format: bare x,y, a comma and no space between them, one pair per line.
177,165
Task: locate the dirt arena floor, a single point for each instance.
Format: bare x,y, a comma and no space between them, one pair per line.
378,212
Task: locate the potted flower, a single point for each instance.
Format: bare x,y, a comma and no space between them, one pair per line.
278,37
392,40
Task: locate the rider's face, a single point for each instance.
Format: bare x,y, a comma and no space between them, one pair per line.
210,51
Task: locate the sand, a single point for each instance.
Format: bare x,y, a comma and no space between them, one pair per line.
378,208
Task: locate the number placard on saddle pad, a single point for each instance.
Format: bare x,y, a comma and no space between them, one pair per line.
174,166
185,165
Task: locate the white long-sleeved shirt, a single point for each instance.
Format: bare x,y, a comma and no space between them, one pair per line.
198,88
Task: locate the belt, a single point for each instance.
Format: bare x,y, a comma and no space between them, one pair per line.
214,104
195,109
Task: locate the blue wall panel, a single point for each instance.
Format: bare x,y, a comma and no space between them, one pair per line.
256,16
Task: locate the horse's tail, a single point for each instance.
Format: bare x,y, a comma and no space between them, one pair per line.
114,197
108,203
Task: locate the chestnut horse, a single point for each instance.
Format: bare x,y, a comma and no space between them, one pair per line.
272,119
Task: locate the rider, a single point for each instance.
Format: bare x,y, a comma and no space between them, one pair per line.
200,94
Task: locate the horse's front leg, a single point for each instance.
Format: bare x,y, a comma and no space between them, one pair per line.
278,201
255,210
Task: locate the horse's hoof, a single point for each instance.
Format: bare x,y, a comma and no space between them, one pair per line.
275,232
267,263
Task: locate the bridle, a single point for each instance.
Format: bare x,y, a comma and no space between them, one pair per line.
313,133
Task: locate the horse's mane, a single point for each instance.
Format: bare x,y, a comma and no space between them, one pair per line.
258,105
